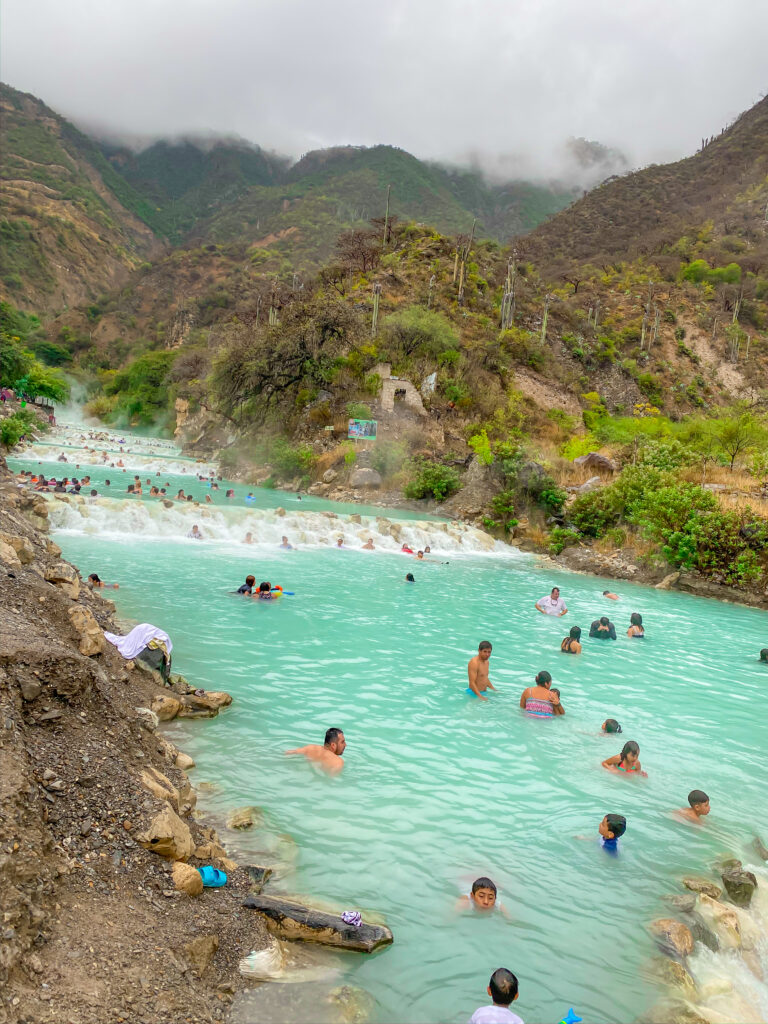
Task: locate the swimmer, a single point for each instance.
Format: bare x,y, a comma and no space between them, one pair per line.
208,499
572,643
98,584
153,491
552,604
248,538
329,756
477,670
194,533
285,545
368,546
698,809
636,627
409,578
610,596
427,550
538,701
247,587
610,725
482,896
190,498
266,592
230,493
340,542
406,550
558,709
603,629
763,654
181,496
106,483
503,988
611,829
627,761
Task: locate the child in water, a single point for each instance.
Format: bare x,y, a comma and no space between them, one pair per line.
698,809
611,829
572,643
626,761
503,990
636,625
482,896
610,725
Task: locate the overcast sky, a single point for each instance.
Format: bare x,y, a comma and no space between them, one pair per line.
505,80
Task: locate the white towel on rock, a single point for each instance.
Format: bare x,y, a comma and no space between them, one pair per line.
135,642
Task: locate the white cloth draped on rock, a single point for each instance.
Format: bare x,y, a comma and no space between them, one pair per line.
135,642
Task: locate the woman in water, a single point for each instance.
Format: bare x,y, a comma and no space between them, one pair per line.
537,700
626,761
98,583
636,625
571,644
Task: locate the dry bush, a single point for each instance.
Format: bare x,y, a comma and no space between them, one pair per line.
734,481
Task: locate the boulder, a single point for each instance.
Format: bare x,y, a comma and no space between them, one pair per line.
595,461
723,920
760,848
8,556
187,879
64,577
187,712
750,932
696,884
23,548
739,884
201,951
673,975
287,920
702,931
673,937
674,1011
354,1004
215,698
168,836
165,707
148,718
592,484
668,582
184,761
259,876
52,549
329,476
355,518
364,477
30,689
158,785
243,818
91,636
684,902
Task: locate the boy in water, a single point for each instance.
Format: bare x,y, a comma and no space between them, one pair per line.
698,809
477,669
503,990
611,829
482,897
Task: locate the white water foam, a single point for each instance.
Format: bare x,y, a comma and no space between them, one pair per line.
129,520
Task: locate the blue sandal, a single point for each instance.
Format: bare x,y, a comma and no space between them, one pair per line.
212,877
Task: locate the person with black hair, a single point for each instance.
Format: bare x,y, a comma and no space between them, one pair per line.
603,629
764,654
698,807
636,627
247,587
538,701
503,989
328,757
96,583
572,643
477,670
409,578
482,896
610,725
627,761
611,829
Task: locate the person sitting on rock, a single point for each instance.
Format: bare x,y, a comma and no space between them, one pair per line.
329,756
698,807
603,629
636,627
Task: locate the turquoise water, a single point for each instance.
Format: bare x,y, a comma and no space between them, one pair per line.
439,788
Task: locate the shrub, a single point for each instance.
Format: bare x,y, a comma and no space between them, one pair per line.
432,479
503,507
560,538
13,428
289,460
666,453
581,444
388,457
481,446
358,411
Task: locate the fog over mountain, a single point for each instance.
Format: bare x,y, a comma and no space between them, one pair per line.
500,85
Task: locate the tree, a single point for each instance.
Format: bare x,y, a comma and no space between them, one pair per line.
359,250
738,435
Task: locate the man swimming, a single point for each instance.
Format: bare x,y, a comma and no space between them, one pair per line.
477,670
329,756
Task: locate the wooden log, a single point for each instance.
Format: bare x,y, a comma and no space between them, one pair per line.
294,921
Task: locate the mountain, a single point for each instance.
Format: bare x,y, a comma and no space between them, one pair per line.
646,212
70,227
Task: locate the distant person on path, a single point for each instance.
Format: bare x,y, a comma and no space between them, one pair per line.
538,701
627,761
698,807
603,629
503,990
328,757
636,627
611,596
552,604
572,643
477,670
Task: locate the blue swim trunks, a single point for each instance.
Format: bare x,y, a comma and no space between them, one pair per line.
471,692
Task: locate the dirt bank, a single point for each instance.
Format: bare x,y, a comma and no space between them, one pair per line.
93,930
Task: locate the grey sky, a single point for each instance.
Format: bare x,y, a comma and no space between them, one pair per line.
505,81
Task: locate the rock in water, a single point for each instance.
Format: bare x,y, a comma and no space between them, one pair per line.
165,707
760,848
672,936
673,975
294,921
264,964
703,885
184,761
187,879
723,920
740,885
356,1005
242,818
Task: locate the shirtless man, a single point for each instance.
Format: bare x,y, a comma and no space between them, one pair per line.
328,757
477,669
